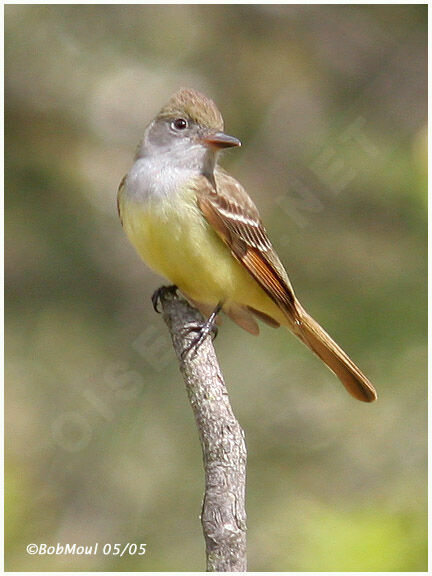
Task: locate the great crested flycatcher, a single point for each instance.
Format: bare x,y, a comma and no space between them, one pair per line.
193,223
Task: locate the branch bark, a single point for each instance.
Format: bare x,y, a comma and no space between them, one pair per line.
223,515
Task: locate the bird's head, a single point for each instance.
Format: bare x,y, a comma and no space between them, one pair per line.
188,125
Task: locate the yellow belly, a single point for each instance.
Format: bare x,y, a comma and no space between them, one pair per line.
176,241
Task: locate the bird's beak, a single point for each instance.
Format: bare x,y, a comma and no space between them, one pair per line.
220,140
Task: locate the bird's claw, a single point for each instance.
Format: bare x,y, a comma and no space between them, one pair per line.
203,330
157,295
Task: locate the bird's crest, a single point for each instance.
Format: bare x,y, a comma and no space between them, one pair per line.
196,106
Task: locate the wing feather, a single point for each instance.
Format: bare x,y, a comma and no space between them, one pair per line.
235,218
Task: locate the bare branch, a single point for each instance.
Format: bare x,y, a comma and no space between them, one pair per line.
224,451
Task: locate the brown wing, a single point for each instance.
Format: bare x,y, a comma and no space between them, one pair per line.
235,218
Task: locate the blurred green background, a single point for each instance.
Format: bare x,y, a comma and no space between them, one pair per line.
101,445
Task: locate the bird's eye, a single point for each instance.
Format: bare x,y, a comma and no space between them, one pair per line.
179,124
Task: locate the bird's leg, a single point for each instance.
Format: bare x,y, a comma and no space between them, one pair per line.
203,329
157,295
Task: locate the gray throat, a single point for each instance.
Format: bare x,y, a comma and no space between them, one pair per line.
160,173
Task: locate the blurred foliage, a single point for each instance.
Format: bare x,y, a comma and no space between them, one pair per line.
101,446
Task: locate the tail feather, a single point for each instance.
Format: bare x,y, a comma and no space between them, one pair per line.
315,337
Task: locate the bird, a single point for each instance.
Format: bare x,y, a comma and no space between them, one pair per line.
196,225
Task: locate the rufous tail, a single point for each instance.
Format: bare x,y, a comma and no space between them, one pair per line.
317,339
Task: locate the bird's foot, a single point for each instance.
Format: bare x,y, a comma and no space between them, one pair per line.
157,295
203,329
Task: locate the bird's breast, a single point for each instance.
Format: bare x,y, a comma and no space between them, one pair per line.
164,224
